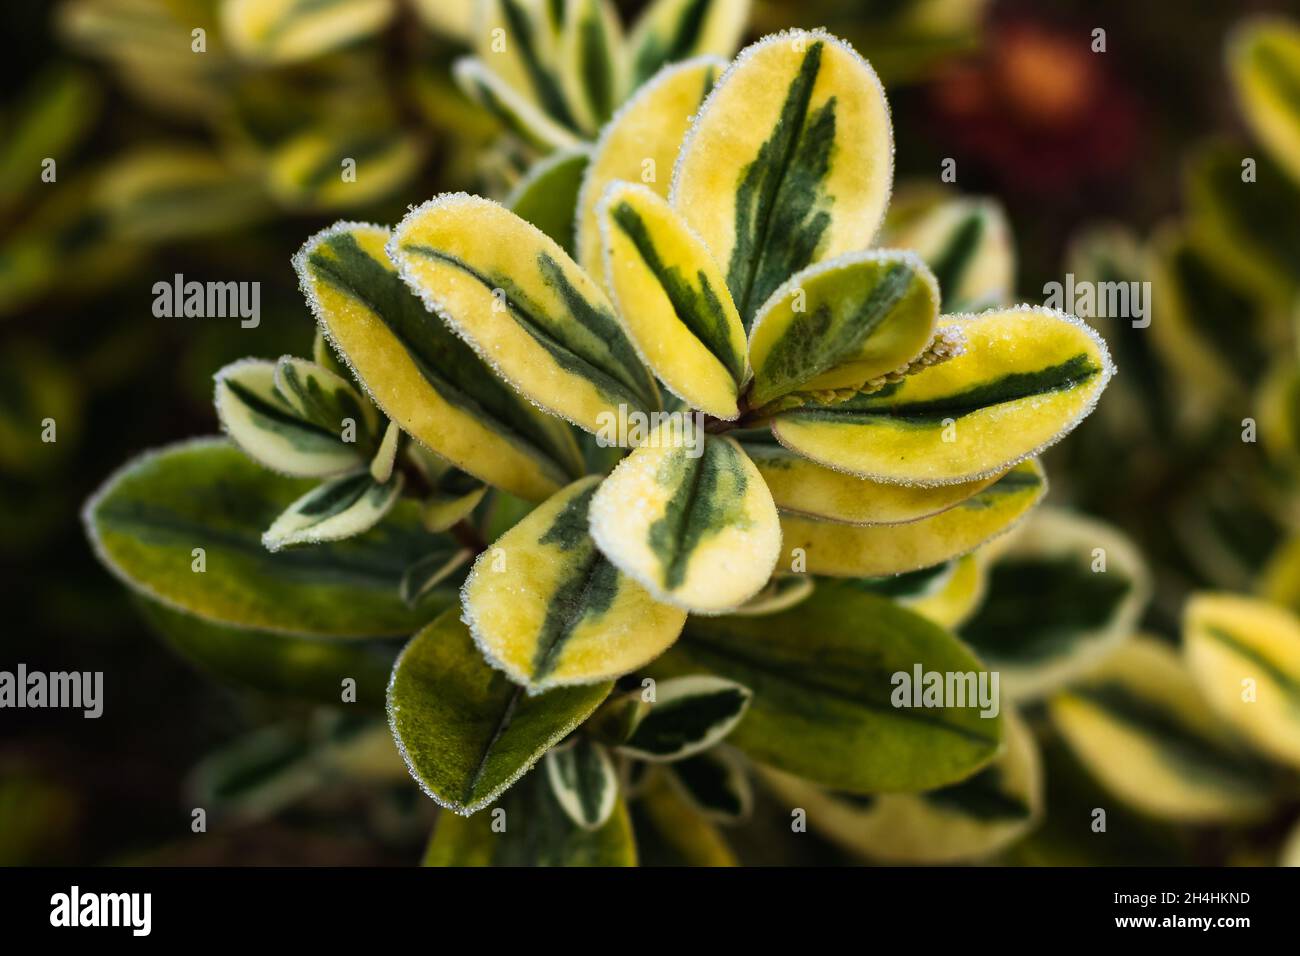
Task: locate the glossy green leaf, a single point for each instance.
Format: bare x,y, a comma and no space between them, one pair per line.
464,729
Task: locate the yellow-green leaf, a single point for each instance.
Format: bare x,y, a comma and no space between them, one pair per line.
843,550
340,508
1245,657
1141,728
511,107
464,729
288,31
524,305
1264,68
841,323
423,376
639,145
965,821
545,606
517,43
272,428
183,526
1027,377
690,518
673,299
804,488
342,168
789,162
590,61
967,245
672,30
1065,592
824,675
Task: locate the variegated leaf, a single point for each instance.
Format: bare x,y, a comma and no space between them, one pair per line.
537,833
548,193
841,323
525,307
514,111
1141,728
385,460
689,517
583,781
789,162
715,783
967,245
325,399
305,171
945,593
546,607
823,674
843,550
1245,657
1064,594
289,31
590,65
1026,378
672,30
266,426
465,730
423,376
340,508
804,488
639,145
688,715
965,821
517,43
1264,67
451,494
673,299
183,526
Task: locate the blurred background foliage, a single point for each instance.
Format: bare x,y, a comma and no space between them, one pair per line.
217,164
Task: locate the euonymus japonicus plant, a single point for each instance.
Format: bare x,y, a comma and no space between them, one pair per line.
814,421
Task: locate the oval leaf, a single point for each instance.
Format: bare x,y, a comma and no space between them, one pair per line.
965,821
1026,378
1065,593
1245,657
465,730
338,509
689,714
265,425
1140,727
203,505
843,550
715,784
673,299
523,305
823,675
841,323
639,145
967,245
546,607
805,488
583,781
689,518
423,376
789,162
